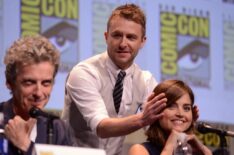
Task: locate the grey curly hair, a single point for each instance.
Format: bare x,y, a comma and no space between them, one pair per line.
29,50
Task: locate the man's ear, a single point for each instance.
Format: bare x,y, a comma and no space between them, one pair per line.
143,41
105,35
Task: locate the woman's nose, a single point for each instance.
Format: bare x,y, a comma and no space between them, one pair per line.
179,112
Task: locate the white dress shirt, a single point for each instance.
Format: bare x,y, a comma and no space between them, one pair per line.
88,99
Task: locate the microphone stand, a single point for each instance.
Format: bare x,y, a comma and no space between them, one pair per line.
50,130
223,143
206,128
34,112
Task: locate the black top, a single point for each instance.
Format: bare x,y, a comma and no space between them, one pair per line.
151,148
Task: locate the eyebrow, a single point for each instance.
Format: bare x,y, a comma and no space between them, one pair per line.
184,103
190,104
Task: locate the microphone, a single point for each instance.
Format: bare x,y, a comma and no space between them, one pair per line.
206,128
35,112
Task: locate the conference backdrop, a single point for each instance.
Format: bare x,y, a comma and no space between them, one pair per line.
189,40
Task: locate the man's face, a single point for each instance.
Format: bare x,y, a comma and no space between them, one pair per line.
32,87
124,39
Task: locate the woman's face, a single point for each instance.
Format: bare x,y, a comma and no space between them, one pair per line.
178,115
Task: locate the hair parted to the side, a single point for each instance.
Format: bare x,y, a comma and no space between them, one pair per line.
27,51
130,12
173,89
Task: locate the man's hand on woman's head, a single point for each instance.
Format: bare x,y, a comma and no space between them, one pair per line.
152,109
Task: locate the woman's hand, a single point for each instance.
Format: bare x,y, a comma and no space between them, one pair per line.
197,145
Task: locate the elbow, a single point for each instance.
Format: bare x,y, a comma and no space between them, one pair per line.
101,133
103,136
103,129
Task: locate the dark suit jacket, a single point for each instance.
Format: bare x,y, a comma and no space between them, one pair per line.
61,134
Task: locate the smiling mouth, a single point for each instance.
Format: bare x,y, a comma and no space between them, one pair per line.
122,51
178,122
37,101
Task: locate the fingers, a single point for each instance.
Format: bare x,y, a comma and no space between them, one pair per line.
7,131
13,124
153,108
156,97
178,137
157,103
198,145
171,142
18,124
18,132
195,112
30,124
11,129
151,96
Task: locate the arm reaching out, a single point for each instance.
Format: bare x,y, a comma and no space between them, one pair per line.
111,127
198,145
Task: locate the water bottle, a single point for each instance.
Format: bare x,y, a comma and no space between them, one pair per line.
183,148
3,140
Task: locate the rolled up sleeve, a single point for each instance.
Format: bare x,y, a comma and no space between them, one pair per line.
83,87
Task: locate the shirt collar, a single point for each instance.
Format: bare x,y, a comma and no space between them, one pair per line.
114,70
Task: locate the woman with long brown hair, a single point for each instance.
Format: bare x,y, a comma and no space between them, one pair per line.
178,120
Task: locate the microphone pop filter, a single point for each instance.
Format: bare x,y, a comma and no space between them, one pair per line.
34,112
